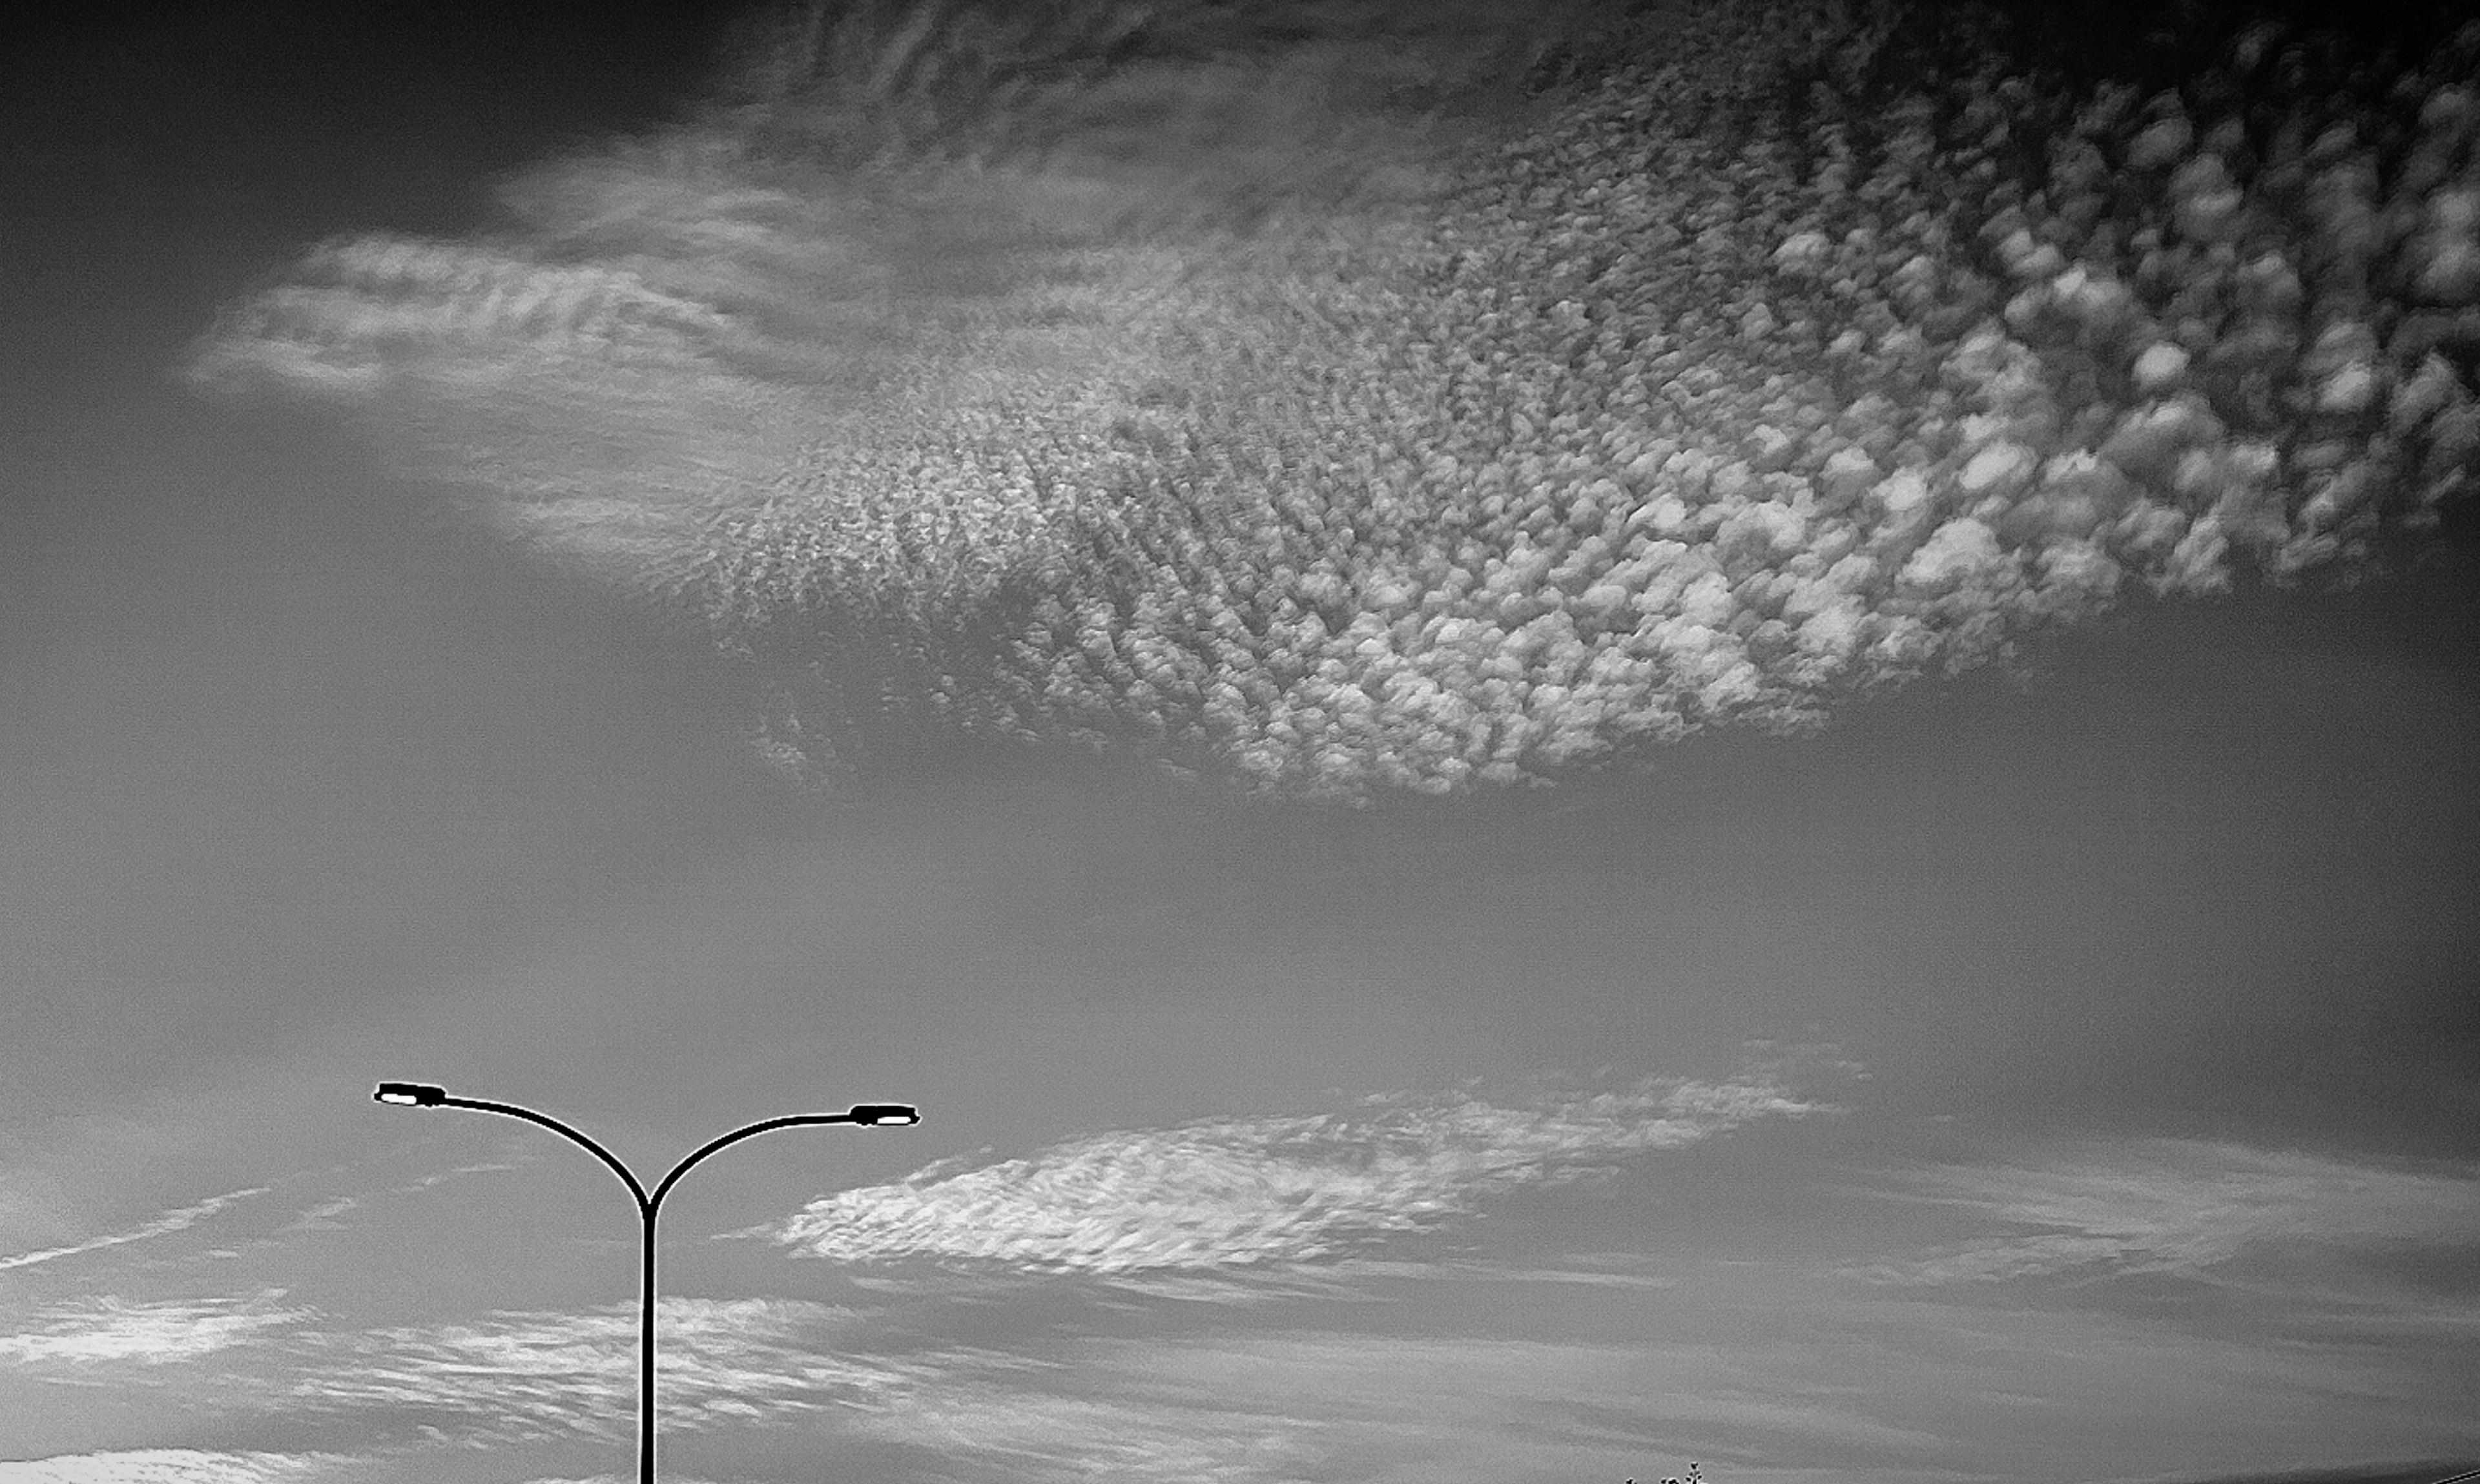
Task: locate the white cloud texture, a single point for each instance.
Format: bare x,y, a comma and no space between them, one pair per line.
176,1466
1239,1192
2185,1207
162,1226
1018,1432
517,1376
974,386
107,1330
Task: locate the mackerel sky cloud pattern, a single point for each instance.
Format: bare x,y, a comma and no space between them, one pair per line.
1243,1192
1040,444
1332,402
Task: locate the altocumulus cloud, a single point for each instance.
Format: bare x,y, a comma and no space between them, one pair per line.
1162,378
1274,1190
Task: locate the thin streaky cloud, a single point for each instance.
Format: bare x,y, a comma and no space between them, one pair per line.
1292,1405
1500,1272
485,1167
1343,1281
530,1375
1455,1399
318,1217
2178,1206
321,1216
162,1226
1241,1193
1017,1434
1349,1280
110,1331
176,1466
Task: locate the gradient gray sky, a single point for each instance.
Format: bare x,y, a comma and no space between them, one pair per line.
2070,1083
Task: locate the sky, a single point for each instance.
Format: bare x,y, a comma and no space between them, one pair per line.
2062,1078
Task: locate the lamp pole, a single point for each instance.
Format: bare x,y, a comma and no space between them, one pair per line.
418,1094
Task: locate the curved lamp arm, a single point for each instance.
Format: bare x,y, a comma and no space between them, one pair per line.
415,1095
866,1114
733,1137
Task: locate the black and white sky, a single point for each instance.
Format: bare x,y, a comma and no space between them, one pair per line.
2065,1075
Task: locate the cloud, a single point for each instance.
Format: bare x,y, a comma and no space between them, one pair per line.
529,1375
175,1466
107,1330
322,1218
2181,1207
1242,1192
1291,1404
163,1225
1017,1432
1450,1395
1174,396
1345,1280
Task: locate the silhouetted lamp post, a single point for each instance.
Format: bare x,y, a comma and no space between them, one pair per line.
420,1094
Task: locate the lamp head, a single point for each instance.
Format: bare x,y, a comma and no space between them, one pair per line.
884,1113
409,1094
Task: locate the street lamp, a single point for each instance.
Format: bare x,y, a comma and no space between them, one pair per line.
422,1094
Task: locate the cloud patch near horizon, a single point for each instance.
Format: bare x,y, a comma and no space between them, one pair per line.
1247,1192
1166,1367
176,1466
2331,1243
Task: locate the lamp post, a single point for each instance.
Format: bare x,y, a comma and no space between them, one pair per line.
419,1094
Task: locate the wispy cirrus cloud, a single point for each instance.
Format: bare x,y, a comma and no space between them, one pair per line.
1012,1431
2179,1206
536,1374
505,1378
322,1218
162,1226
1287,1404
174,1466
1242,1192
1348,1280
108,1330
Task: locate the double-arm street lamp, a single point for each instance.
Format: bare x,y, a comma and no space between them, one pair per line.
419,1094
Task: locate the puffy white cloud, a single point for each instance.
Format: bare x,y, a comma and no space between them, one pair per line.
1240,1192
